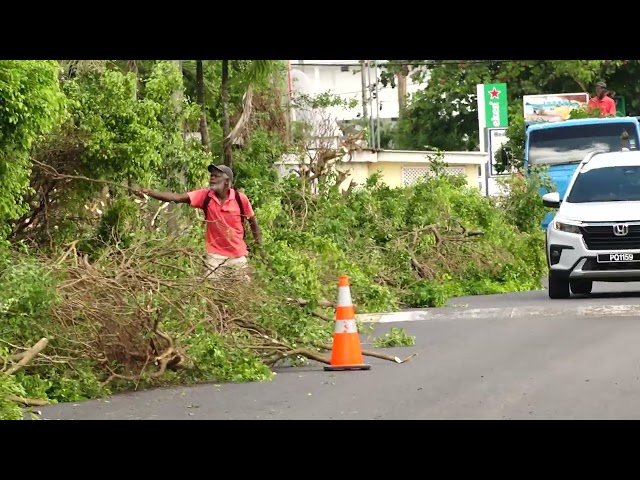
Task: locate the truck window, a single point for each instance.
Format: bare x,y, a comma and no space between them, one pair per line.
571,144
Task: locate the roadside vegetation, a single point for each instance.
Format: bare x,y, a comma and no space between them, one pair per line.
101,291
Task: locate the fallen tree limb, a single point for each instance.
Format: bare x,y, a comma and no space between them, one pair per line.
386,356
24,359
29,402
12,358
318,357
304,352
373,353
28,356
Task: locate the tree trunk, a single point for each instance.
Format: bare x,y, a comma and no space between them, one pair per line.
132,67
363,81
173,209
204,129
226,127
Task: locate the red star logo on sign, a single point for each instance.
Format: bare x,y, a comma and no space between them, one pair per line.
494,93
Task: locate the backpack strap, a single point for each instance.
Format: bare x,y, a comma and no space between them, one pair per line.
239,200
242,219
205,205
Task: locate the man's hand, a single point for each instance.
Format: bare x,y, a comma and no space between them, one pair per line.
142,193
255,248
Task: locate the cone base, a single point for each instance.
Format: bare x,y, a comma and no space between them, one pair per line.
337,368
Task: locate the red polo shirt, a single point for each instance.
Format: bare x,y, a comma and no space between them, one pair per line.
607,105
225,232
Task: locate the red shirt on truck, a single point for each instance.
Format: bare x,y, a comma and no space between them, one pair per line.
606,104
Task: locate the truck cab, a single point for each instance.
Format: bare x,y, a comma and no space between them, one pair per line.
561,146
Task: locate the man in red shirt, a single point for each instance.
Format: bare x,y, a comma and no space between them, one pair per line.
606,104
225,212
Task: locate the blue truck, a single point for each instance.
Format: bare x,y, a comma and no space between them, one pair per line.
562,145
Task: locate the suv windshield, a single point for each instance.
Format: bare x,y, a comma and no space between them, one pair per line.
571,144
608,184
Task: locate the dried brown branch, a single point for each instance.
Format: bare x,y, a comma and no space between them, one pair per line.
439,252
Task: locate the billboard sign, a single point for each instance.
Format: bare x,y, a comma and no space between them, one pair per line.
495,101
552,107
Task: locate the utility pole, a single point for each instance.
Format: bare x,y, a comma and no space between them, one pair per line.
364,91
372,130
375,62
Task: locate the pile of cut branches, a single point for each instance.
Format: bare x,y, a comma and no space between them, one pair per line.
138,312
435,248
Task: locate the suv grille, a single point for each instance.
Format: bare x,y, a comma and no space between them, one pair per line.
601,237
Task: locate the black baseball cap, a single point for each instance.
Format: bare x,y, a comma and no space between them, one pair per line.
224,169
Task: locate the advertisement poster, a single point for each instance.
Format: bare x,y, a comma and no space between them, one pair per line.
553,107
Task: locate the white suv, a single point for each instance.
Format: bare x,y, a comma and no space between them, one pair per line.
595,234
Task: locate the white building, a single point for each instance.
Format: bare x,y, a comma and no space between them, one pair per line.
347,79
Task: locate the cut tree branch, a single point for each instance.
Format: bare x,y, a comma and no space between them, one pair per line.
372,353
28,356
24,359
52,172
29,402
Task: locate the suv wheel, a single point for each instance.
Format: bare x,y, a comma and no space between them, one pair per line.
558,286
581,287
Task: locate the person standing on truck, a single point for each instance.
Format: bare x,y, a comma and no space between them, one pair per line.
602,101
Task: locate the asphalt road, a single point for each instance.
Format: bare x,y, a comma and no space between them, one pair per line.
603,294
486,366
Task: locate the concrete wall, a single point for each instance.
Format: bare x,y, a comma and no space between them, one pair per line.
402,168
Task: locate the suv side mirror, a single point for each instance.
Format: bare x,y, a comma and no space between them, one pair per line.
551,199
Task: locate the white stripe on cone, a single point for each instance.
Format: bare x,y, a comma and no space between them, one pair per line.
346,326
344,297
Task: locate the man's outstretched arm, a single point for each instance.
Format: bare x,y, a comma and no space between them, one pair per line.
167,196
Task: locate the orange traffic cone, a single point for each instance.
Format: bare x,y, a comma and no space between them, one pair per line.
346,353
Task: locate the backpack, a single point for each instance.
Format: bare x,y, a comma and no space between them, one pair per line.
207,199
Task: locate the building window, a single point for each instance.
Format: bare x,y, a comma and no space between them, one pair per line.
344,68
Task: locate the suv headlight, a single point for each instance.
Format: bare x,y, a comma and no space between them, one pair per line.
566,227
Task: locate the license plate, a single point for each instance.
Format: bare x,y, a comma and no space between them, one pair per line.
618,257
